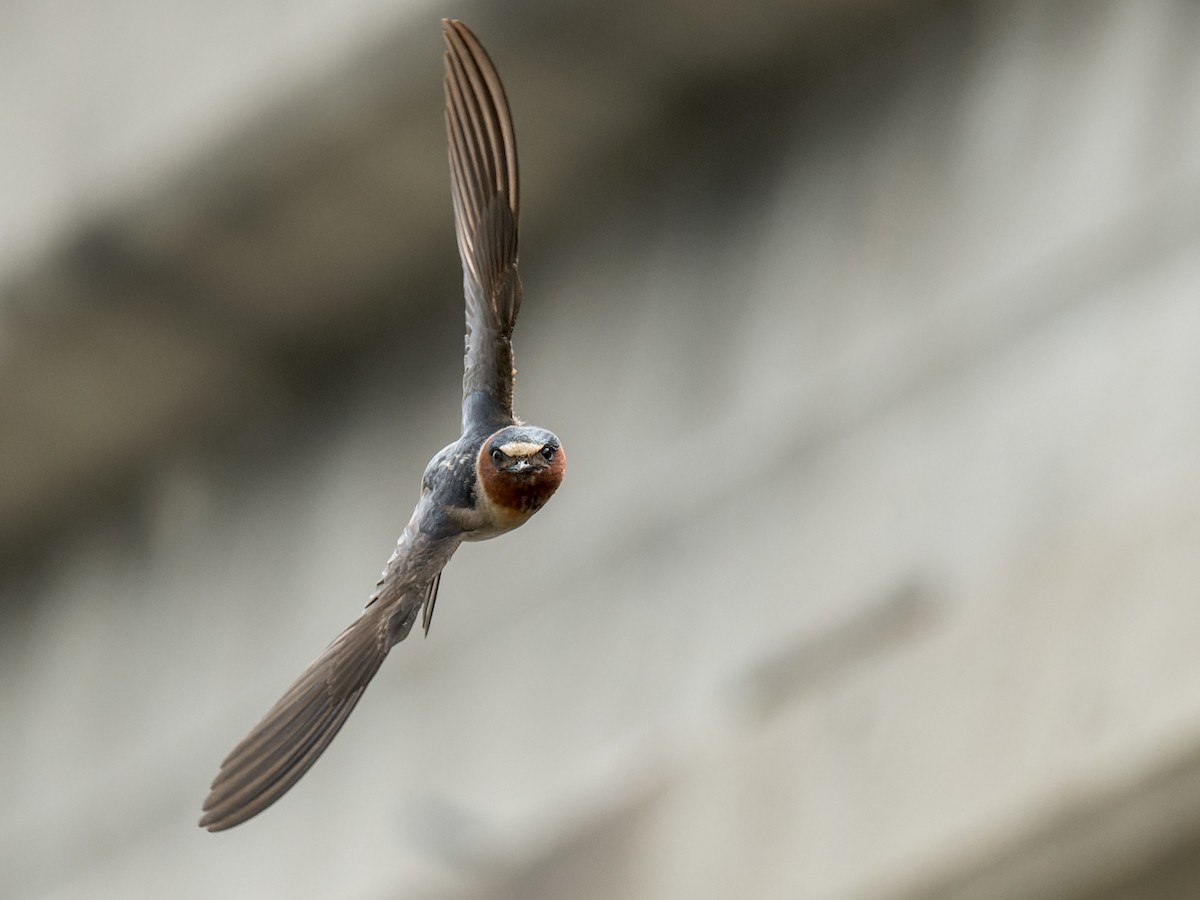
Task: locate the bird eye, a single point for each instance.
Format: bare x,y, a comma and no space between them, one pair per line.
548,452
497,456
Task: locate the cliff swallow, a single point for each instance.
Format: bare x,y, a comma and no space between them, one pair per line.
491,480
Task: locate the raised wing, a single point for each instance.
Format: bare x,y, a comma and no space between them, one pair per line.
484,184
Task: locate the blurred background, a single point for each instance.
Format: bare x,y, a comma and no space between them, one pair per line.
871,330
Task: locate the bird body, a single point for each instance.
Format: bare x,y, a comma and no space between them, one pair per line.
490,481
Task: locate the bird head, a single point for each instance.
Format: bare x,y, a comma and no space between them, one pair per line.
520,467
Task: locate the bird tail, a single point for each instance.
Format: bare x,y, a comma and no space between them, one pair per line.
297,729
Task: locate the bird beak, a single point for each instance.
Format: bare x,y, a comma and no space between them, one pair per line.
522,465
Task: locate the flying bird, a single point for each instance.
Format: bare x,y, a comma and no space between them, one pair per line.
489,481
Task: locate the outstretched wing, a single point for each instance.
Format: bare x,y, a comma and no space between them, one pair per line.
297,729
483,180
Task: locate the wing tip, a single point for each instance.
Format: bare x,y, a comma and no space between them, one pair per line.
453,29
212,824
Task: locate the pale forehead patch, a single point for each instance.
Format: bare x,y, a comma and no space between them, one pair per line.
520,448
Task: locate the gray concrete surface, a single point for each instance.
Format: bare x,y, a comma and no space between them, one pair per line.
872,341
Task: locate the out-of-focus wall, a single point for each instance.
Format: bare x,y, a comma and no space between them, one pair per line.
872,343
